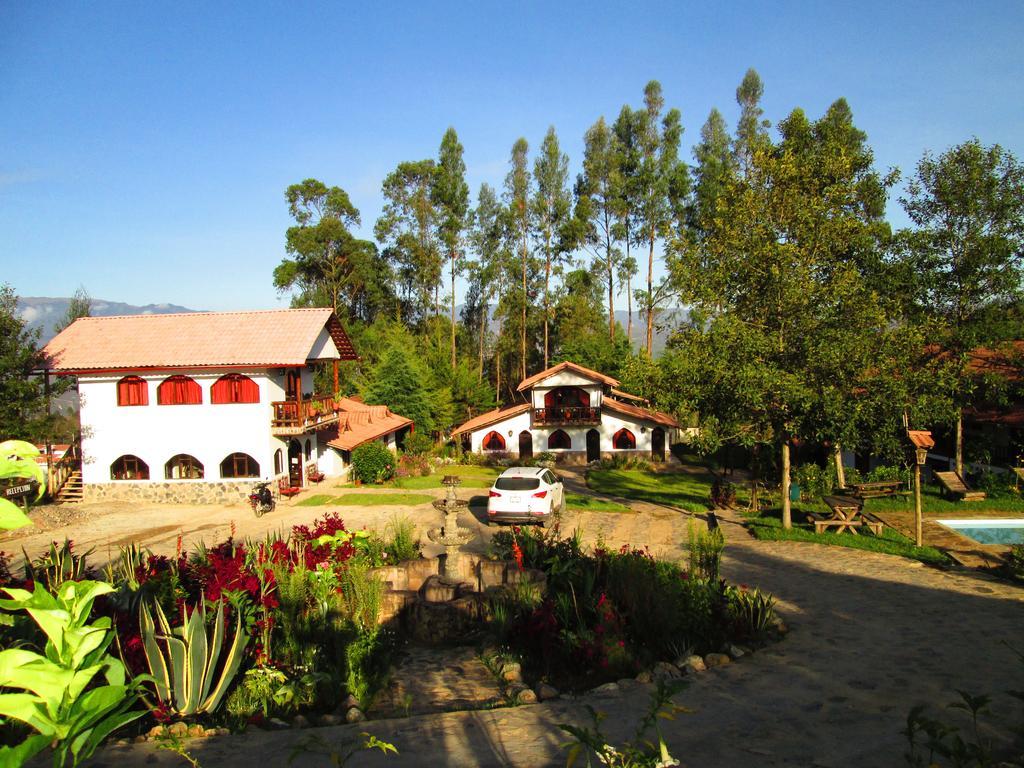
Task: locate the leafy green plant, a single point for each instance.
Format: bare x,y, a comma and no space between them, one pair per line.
361,595
339,755
418,444
184,661
17,461
940,739
751,610
638,752
373,463
61,695
403,540
705,551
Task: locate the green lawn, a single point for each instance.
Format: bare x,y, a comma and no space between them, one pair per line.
769,527
933,503
366,499
580,503
472,477
689,492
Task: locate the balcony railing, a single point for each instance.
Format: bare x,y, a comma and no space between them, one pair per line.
566,415
293,417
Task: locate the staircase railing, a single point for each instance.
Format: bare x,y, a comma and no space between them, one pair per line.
62,469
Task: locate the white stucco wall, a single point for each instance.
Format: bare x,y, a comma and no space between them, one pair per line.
155,433
566,379
610,424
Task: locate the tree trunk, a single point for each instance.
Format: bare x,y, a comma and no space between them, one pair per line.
484,322
547,308
453,310
650,296
840,471
629,311
611,285
522,330
960,443
787,506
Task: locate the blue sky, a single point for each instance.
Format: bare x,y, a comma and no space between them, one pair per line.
145,147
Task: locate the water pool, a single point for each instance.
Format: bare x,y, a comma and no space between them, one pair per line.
989,531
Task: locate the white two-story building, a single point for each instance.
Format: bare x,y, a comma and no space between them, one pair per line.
196,407
574,413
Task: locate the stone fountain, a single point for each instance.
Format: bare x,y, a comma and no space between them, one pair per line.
450,535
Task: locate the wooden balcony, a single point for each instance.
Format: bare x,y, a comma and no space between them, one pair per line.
293,417
566,416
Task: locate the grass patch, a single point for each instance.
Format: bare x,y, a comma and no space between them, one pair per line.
769,528
689,492
472,477
582,503
366,500
932,502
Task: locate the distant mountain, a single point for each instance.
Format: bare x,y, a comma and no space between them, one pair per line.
44,313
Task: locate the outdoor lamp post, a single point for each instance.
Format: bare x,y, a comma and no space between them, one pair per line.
922,441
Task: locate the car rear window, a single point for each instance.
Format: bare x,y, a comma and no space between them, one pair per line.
516,483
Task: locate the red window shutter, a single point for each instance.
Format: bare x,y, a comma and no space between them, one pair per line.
131,390
235,388
179,390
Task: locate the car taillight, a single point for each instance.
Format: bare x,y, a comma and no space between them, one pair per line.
540,495
492,494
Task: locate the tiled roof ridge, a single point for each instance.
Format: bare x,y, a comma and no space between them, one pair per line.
148,315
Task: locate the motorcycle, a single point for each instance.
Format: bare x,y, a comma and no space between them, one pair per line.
261,499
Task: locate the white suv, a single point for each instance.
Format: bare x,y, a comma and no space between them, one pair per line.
525,494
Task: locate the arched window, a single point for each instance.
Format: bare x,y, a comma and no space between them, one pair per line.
624,440
179,390
494,442
234,388
278,462
567,397
559,440
131,390
239,465
309,451
183,467
129,467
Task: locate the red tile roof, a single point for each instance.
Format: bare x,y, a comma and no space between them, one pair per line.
278,337
567,366
360,423
921,438
491,417
640,413
625,395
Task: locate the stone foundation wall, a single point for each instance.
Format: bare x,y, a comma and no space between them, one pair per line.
172,492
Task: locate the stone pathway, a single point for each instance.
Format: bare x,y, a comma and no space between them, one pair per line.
429,680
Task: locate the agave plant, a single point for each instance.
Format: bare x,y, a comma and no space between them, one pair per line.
58,565
184,661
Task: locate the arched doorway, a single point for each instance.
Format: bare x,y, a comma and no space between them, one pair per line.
658,444
294,463
593,445
525,444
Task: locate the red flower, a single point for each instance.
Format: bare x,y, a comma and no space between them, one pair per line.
517,553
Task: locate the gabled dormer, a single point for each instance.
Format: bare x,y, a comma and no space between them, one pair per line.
566,394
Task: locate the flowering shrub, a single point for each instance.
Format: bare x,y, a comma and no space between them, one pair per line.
373,463
607,613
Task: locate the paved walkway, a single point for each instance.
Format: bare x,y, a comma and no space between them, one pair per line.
871,636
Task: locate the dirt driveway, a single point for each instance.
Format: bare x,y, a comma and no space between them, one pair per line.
107,526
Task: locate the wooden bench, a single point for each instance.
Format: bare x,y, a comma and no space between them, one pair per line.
286,489
313,474
847,515
955,486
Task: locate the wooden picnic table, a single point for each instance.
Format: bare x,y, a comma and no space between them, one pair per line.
847,514
878,489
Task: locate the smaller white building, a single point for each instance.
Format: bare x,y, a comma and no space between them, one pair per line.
196,407
575,413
